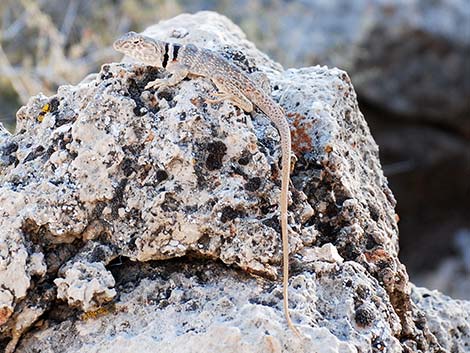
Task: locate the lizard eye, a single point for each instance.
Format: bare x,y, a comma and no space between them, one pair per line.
136,41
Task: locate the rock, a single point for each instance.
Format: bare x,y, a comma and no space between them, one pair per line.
188,307
87,285
409,62
448,319
164,204
327,252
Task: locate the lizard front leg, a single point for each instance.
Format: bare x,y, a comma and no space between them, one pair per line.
178,74
262,81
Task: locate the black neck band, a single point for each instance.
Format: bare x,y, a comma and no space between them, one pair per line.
176,47
165,56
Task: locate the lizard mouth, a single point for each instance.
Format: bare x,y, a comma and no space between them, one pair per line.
126,42
117,45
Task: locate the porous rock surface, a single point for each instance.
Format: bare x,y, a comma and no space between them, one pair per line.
141,220
445,315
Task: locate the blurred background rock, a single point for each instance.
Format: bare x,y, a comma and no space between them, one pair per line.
409,61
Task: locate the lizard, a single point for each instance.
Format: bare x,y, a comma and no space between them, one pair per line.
233,85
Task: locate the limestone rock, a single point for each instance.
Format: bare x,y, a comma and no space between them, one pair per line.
87,285
448,319
168,205
187,307
327,253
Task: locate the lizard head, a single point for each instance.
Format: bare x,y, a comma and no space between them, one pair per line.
141,48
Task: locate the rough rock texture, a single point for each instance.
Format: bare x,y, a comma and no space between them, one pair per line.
88,285
445,315
109,192
409,63
175,307
406,59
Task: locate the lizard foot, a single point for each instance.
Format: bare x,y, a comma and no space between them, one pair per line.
221,96
239,102
158,83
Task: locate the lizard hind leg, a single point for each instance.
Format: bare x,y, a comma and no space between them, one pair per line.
262,81
229,92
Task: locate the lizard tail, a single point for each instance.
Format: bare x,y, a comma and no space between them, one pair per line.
284,131
277,116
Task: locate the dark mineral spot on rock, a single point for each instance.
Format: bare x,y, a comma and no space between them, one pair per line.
216,154
50,150
273,222
54,106
350,251
105,74
9,148
39,150
253,184
6,156
191,208
131,243
421,322
239,171
98,254
264,206
363,317
378,345
140,110
229,214
166,95
151,74
245,158
61,120
374,212
134,92
237,57
118,198
161,175
371,243
192,306
98,210
204,241
362,292
9,160
170,204
127,167
133,89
